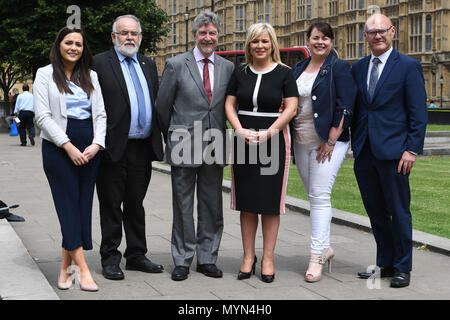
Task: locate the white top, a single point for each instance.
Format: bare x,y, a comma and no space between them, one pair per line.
305,132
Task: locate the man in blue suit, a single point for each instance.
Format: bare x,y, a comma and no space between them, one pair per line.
387,134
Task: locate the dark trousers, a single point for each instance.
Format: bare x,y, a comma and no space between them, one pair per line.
72,186
386,197
26,124
124,184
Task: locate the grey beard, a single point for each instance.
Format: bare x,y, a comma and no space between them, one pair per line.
128,52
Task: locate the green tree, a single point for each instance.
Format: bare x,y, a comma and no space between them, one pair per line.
28,28
9,75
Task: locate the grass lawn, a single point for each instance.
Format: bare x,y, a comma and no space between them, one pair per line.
430,193
438,127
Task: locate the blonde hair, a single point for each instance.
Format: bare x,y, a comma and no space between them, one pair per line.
254,31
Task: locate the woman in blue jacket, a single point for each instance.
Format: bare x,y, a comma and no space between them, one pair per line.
321,135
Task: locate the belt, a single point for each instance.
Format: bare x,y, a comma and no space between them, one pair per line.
259,114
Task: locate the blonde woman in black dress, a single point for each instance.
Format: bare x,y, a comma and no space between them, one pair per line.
255,94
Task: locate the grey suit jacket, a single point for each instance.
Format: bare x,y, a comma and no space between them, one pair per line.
186,117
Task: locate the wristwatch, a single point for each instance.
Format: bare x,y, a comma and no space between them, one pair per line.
331,143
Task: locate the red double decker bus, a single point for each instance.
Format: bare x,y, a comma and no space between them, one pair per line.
289,56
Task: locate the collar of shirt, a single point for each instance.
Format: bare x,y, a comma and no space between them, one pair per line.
122,57
383,57
25,94
199,56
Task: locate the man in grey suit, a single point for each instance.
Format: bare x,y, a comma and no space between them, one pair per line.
190,109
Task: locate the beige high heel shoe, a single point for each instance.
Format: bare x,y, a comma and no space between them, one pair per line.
66,284
86,287
321,259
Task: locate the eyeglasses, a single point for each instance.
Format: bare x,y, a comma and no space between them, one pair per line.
125,33
381,32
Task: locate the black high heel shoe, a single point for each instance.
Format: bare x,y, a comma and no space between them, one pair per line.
268,278
247,275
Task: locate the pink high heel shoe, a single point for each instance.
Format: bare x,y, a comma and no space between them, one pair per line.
93,287
66,284
321,259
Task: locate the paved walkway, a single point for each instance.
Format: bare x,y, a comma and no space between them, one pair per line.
22,181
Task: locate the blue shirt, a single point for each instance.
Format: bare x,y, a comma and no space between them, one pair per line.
136,132
24,102
78,105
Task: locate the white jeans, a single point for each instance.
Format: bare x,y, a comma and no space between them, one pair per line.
318,179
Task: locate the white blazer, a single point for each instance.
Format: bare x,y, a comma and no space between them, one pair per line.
50,108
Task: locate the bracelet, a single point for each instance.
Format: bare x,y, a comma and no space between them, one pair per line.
331,143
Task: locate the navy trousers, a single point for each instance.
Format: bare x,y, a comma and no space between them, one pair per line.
386,197
72,186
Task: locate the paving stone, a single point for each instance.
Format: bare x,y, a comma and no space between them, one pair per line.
21,173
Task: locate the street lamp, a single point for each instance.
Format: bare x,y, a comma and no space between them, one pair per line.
441,82
212,5
186,17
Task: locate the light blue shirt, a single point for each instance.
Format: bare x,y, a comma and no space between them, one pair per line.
136,132
24,102
78,105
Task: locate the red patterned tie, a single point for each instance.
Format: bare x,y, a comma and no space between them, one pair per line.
206,81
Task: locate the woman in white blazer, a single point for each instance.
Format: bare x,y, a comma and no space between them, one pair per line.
70,112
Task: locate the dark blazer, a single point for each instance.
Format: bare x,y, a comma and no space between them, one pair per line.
333,94
117,103
396,118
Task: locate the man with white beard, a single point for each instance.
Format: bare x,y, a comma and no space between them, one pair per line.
129,83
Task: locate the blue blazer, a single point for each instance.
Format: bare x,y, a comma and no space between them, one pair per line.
396,118
333,94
